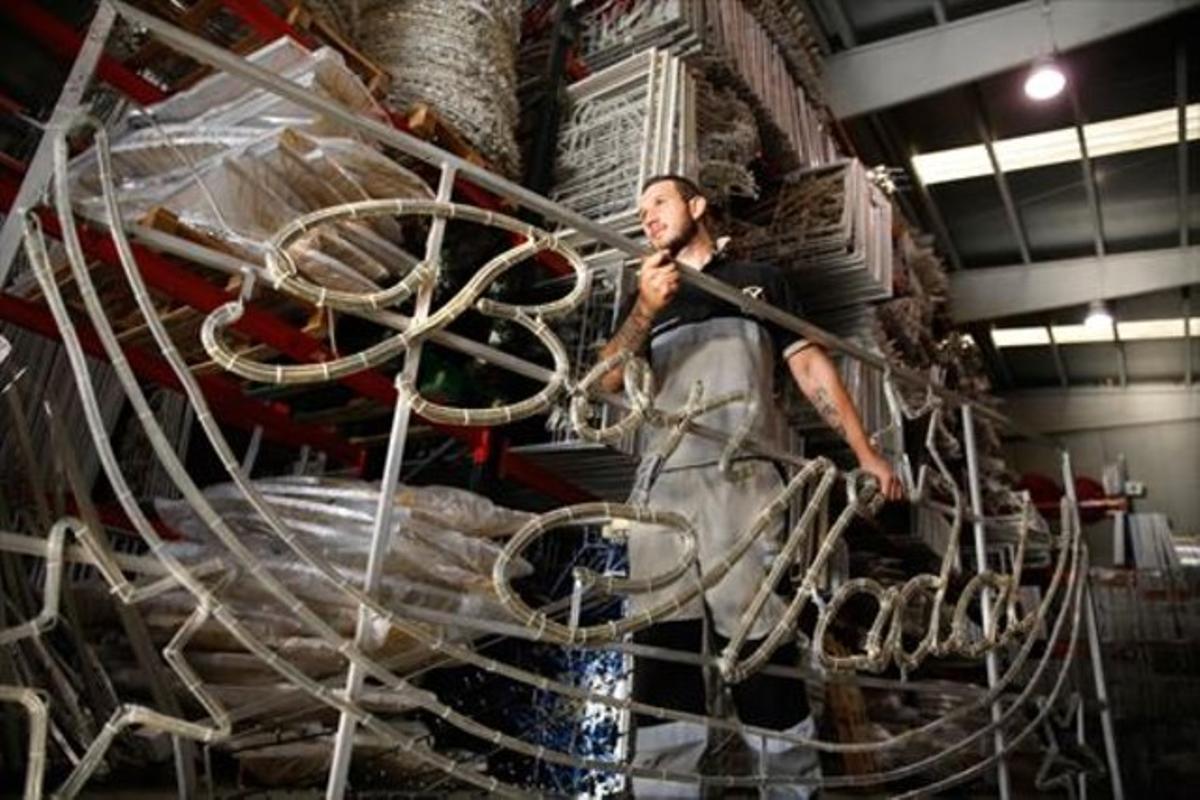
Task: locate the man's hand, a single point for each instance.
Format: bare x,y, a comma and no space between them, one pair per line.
658,281
889,484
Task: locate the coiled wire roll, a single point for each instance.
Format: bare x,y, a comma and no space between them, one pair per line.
459,56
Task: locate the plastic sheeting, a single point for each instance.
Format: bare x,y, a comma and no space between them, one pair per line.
237,164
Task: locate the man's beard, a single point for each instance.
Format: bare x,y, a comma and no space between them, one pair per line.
681,240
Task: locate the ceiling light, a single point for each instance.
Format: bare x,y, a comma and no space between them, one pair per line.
1098,315
1020,337
1129,331
1046,80
1152,329
1060,146
1082,334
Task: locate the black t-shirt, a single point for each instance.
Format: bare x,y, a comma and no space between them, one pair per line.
764,281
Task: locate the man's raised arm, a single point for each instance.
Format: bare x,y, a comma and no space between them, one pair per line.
658,281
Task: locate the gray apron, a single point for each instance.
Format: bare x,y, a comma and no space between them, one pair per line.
726,355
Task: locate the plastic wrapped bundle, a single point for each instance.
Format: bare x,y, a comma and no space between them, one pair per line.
222,100
460,57
240,188
236,165
440,559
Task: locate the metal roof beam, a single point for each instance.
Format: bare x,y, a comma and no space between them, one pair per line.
1181,92
1057,411
997,292
1060,364
983,125
1186,306
836,21
904,68
1122,356
1089,175
939,12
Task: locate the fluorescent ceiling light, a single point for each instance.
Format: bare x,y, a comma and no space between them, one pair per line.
1020,337
1151,329
1082,334
1040,149
1129,331
953,165
1060,146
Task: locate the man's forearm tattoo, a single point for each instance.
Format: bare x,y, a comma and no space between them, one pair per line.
632,333
828,410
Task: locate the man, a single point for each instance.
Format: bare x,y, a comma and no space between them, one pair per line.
691,336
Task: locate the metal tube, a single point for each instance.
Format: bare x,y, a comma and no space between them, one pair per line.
381,535
1106,719
1095,654
973,486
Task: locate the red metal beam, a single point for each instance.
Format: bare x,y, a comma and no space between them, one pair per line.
64,41
225,396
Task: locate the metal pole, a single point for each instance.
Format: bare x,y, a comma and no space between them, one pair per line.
381,536
42,164
993,671
1095,655
1106,720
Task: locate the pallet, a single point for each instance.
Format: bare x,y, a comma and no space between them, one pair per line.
421,120
372,74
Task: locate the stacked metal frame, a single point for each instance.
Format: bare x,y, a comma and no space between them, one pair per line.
831,228
1149,627
727,43
621,126
728,144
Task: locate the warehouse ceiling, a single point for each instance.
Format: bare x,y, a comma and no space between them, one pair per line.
1048,231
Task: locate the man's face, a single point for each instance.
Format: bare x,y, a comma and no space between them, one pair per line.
667,219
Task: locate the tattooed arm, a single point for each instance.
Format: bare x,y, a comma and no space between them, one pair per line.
818,378
629,338
658,281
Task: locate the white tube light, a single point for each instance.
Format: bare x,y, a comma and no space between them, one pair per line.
1059,146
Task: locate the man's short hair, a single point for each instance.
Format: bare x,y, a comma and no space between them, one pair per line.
686,187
